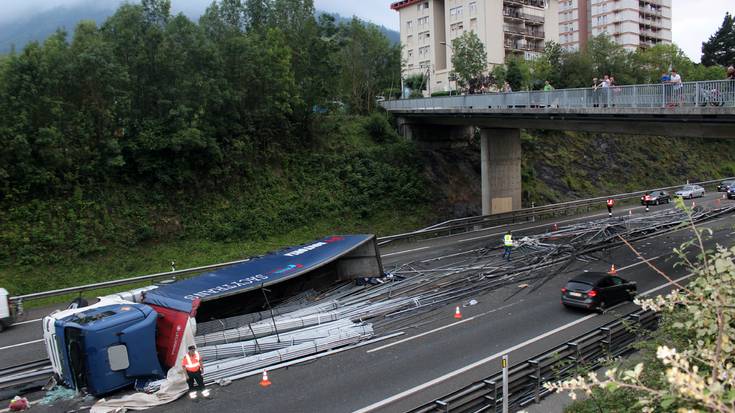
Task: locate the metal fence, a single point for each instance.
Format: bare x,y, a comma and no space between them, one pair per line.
526,379
715,93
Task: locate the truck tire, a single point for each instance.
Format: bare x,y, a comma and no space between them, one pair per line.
77,303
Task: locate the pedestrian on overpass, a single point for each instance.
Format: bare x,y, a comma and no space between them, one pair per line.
194,370
610,205
508,245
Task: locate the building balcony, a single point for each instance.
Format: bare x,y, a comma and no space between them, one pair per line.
516,46
520,3
513,14
532,32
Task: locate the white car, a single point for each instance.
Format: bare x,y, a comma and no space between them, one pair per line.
691,191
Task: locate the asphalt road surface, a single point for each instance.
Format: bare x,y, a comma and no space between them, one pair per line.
438,354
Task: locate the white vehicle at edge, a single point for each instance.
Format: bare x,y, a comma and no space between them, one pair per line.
691,191
7,313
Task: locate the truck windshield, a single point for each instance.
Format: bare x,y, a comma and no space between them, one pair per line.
75,348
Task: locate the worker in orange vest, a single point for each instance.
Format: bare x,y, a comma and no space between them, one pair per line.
610,204
194,370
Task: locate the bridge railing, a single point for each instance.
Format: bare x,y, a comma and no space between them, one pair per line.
689,94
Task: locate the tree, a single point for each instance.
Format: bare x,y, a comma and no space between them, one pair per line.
517,73
469,57
720,48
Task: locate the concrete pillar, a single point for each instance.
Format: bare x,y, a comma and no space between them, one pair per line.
500,152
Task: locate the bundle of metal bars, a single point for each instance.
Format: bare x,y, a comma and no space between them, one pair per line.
314,322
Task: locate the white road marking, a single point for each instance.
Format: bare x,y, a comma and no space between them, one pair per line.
404,252
495,356
426,333
27,322
22,344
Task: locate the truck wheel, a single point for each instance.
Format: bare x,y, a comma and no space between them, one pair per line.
77,303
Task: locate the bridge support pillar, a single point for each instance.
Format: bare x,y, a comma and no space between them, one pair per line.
500,152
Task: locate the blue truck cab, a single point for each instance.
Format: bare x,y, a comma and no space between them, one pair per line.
104,347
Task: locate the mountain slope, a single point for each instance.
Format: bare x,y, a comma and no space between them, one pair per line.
16,34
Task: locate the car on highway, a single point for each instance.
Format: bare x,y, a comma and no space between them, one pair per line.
725,186
597,291
731,193
655,198
690,191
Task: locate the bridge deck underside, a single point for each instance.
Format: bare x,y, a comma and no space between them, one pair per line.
680,122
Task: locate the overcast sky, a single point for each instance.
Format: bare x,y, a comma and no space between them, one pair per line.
694,20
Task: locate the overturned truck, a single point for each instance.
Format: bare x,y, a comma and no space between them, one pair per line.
140,334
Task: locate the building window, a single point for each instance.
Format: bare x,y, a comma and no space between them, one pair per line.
410,53
456,13
455,30
473,25
473,8
423,20
409,40
424,38
424,51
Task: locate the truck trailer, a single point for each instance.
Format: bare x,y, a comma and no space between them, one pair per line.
105,347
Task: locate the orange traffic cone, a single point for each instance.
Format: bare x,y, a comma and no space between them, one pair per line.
264,382
612,271
457,313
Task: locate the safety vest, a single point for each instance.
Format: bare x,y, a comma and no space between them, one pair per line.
192,364
610,202
508,240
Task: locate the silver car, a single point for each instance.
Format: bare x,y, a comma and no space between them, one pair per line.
691,191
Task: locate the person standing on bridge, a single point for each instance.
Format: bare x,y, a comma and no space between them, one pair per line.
507,245
194,370
610,205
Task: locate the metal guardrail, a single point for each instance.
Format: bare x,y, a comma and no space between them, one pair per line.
526,379
453,226
687,94
460,225
34,371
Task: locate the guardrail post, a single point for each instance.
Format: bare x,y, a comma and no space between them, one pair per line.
444,406
635,96
577,354
537,377
663,95
696,94
607,342
494,393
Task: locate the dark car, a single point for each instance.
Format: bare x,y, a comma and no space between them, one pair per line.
731,193
725,186
655,198
596,291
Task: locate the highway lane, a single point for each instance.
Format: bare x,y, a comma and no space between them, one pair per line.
358,378
387,371
22,343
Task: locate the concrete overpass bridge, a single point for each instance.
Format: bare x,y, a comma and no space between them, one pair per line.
693,109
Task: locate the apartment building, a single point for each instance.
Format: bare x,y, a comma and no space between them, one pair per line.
505,27
631,23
